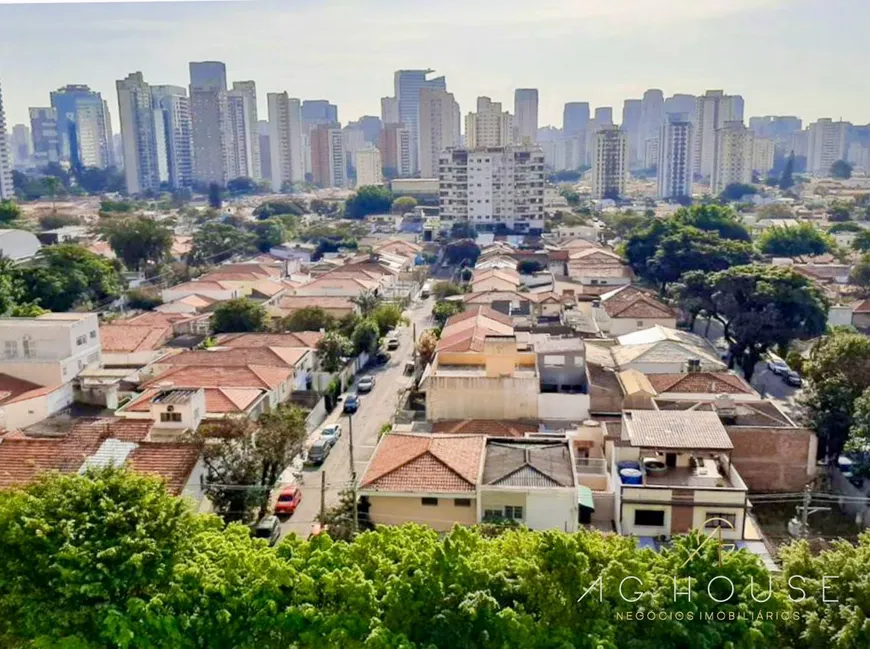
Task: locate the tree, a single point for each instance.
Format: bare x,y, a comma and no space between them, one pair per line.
371,199
214,196
277,208
239,315
239,187
54,221
279,439
387,316
861,242
860,275
839,212
786,181
366,302
622,224
442,290
465,251
765,306
142,299
9,211
794,241
841,169
333,348
270,233
442,311
426,347
847,226
217,242
95,180
713,218
365,337
737,191
139,241
775,211
859,440
529,267
310,318
463,230
319,206
403,204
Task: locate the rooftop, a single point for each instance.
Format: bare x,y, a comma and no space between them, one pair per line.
528,464
122,337
490,427
700,382
686,430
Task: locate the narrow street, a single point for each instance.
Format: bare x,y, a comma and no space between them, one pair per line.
376,409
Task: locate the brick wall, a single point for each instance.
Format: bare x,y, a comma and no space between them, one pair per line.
773,459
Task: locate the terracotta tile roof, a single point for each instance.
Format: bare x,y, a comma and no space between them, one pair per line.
199,301
631,302
126,430
595,290
172,462
266,270
478,311
248,340
559,255
752,413
328,282
217,400
124,337
425,464
490,427
700,383
862,307
236,276
466,331
594,257
221,377
296,302
13,390
157,319
240,356
198,286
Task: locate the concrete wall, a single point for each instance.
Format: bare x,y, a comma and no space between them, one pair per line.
21,414
621,326
552,510
774,459
396,510
570,407
479,397
839,316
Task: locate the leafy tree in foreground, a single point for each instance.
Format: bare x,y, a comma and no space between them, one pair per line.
333,348
9,211
370,199
442,311
713,218
795,241
426,347
239,315
388,317
139,241
365,337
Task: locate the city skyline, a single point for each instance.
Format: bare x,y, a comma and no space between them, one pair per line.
56,45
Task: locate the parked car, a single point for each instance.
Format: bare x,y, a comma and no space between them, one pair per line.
268,528
778,366
288,501
365,383
331,433
392,342
351,403
793,378
318,452
381,358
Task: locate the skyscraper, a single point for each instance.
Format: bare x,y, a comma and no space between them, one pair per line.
265,149
395,147
682,104
368,167
172,110
437,128
139,134
22,148
674,173
526,115
328,159
209,121
714,110
631,126
733,156
285,140
248,89
826,143
652,113
389,110
240,160
6,188
609,162
318,111
575,118
82,126
489,126
43,130
408,84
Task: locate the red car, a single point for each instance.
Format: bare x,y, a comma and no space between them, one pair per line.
288,501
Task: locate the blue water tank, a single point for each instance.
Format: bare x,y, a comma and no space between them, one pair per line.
631,476
628,464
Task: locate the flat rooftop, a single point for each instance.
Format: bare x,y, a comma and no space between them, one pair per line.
480,371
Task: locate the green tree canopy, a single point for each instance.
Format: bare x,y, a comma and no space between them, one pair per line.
839,212
58,220
215,200
529,267
311,318
403,204
217,242
794,241
713,218
371,199
442,311
841,169
139,241
239,315
365,337
861,242
860,275
366,302
775,211
847,226
388,316
276,208
786,181
333,348
9,211
143,299
736,191
242,186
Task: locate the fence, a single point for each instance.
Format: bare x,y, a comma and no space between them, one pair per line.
591,465
856,509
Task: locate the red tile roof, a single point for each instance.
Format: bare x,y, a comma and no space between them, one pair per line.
700,383
491,427
240,356
631,302
218,401
862,307
295,302
188,376
13,390
425,464
172,462
249,340
129,338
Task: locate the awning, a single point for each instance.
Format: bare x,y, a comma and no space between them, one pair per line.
584,497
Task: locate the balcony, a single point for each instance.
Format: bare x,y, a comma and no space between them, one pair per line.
590,466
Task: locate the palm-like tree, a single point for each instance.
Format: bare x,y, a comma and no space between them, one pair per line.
366,302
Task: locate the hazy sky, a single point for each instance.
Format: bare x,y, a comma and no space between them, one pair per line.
802,57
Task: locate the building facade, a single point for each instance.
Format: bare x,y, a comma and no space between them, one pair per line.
369,167
389,110
714,110
395,147
407,85
43,130
174,108
285,140
675,158
489,126
609,162
328,159
632,120
6,189
526,115
763,154
210,131
437,128
575,118
733,156
139,134
825,145
248,91
82,126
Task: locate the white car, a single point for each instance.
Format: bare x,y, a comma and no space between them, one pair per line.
331,433
778,366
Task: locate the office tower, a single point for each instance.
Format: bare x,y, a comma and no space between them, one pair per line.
489,126
210,131
353,139
603,116
249,92
408,84
139,134
395,147
763,155
370,126
575,118
285,140
437,128
21,145
632,112
368,167
328,160
564,153
82,129
826,143
682,104
240,161
526,115
609,162
389,110
652,113
714,110
674,173
774,126
43,130
732,158
172,112
858,156
7,191
318,111
493,188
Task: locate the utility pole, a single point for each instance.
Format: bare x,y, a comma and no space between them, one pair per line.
322,494
805,512
352,473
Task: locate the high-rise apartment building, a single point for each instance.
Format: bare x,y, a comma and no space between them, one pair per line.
83,127
564,153
575,118
652,113
287,165
370,126
763,155
353,139
172,113
389,110
6,188
368,167
328,159
526,115
437,128
408,84
248,89
209,121
714,110
680,104
43,130
826,143
22,147
775,126
395,147
240,150
489,126
632,114
492,188
265,149
318,111
139,133
603,116
674,173
609,162
733,156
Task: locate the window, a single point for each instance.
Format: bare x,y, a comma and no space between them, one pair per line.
93,334
489,514
554,361
640,324
27,346
513,511
462,502
11,350
170,416
429,502
81,340
649,517
725,521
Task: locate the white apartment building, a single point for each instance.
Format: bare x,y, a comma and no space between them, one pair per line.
407,85
368,167
609,162
763,152
174,108
437,128
353,139
859,156
526,112
240,160
51,349
494,187
675,157
93,149
141,167
389,110
826,144
489,126
567,153
6,189
249,92
285,140
715,109
733,156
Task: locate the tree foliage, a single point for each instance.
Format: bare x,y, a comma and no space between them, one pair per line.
841,169
860,275
371,199
333,348
57,220
215,200
426,347
217,242
794,241
276,208
366,302
239,315
713,218
462,251
403,204
737,191
9,211
388,316
861,242
143,299
529,267
786,181
442,290
442,311
139,241
839,212
310,318
365,337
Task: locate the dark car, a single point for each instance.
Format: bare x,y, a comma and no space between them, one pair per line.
269,529
351,403
381,358
318,452
793,378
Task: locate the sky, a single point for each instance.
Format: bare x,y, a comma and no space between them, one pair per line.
786,57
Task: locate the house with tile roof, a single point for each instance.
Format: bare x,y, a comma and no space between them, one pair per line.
190,304
132,345
501,279
627,309
597,270
662,350
23,403
218,290
336,306
181,323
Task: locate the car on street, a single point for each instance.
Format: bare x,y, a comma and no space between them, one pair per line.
318,452
331,433
793,378
268,529
392,342
381,358
778,366
365,383
288,500
351,403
